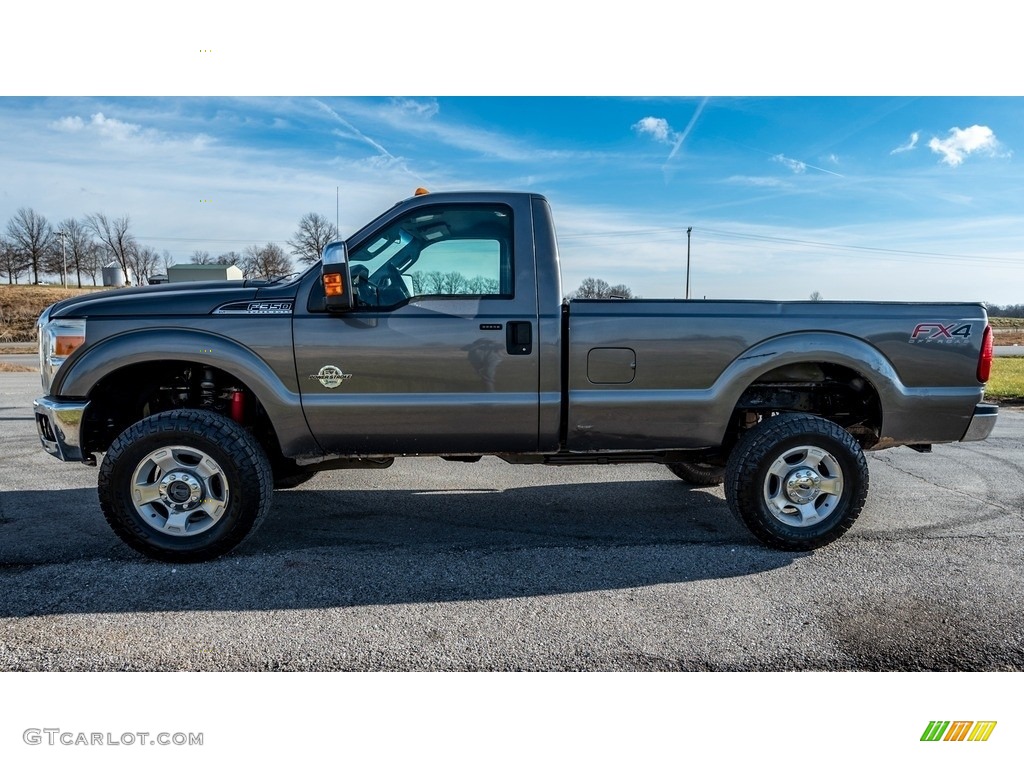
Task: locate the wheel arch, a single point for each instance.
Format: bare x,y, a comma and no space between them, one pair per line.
771,376
119,362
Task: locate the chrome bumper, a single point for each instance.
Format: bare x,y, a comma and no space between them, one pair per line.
60,427
981,425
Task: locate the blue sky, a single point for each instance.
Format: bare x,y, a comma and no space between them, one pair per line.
890,198
808,151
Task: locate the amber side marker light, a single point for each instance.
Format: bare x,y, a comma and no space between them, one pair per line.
987,353
65,345
333,285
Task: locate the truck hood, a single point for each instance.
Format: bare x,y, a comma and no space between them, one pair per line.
192,298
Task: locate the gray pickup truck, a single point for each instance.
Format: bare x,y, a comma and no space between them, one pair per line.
440,329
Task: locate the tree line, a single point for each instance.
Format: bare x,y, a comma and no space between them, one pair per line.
596,288
1010,310
31,247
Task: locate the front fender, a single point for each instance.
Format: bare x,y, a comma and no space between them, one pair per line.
81,374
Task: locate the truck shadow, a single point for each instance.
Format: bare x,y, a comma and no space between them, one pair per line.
342,548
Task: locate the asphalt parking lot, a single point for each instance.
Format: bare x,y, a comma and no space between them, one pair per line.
431,565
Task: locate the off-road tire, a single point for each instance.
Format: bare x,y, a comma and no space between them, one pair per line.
698,474
779,465
218,458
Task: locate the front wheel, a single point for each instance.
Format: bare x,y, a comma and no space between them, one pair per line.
797,481
185,486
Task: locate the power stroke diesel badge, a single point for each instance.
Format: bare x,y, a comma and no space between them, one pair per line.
331,376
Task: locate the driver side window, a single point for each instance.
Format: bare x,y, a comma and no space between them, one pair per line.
447,251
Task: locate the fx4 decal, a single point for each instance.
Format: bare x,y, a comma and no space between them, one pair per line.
941,333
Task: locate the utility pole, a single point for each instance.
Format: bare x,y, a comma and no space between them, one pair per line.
64,259
688,231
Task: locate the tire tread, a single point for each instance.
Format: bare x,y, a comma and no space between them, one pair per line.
743,493
240,446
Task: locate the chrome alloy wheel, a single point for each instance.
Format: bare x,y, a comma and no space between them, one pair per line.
803,486
180,491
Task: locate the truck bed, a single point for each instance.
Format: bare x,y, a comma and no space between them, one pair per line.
648,374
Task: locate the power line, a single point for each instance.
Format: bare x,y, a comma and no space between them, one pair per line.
679,231
209,239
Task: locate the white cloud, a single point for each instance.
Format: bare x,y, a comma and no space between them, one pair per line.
799,166
68,124
425,109
757,181
796,166
657,128
911,143
962,142
113,128
108,127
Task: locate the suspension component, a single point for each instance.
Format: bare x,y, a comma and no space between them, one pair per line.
238,405
207,389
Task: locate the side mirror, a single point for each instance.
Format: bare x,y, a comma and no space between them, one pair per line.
336,278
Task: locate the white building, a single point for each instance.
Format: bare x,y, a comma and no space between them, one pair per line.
180,273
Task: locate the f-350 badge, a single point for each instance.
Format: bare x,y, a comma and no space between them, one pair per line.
331,376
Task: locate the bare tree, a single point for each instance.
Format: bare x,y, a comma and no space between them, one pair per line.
266,262
313,235
166,260
31,234
92,260
202,257
427,282
596,288
451,283
232,259
482,285
12,261
77,244
145,261
115,237
816,296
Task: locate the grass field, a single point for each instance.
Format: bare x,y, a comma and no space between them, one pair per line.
1006,385
21,305
15,368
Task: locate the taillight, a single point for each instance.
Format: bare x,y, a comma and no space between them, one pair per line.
985,361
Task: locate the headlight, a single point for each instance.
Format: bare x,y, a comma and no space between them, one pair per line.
57,340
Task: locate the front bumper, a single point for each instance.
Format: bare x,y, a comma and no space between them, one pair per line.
982,423
59,424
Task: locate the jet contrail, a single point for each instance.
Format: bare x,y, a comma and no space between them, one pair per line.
686,131
355,131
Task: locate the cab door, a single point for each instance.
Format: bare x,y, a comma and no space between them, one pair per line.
438,356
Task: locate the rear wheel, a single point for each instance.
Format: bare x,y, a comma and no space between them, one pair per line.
185,486
797,481
698,473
